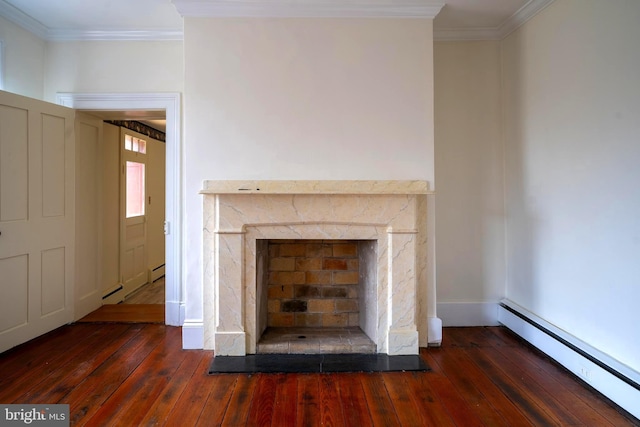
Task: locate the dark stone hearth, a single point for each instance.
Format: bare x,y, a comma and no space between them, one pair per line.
310,363
294,306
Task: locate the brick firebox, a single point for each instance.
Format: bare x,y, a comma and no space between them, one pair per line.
313,283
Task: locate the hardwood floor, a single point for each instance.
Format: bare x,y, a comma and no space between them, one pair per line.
126,313
137,374
151,293
146,305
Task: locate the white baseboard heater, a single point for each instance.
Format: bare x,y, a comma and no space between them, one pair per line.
613,379
114,295
156,273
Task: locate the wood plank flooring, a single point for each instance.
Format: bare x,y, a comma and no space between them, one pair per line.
151,293
137,374
126,313
146,305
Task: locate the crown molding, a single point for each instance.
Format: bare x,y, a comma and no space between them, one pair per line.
281,9
114,35
310,9
525,13
522,15
20,18
25,21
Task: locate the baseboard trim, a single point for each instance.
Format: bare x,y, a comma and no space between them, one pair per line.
434,332
611,378
468,313
173,313
192,335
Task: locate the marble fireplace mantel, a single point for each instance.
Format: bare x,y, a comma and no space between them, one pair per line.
393,213
315,187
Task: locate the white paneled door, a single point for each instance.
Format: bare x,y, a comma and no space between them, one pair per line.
37,208
133,211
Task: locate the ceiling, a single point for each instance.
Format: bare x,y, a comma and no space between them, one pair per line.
159,19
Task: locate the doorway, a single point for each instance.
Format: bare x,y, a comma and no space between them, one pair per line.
169,103
131,173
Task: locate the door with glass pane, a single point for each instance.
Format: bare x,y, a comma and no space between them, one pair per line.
133,224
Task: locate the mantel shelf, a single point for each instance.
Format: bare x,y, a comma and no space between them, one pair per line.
316,187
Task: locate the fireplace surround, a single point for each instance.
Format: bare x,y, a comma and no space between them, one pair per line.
238,215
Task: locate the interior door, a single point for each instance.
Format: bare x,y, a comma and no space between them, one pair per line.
88,289
37,214
133,223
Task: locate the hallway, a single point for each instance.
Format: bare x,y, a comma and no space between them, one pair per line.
145,305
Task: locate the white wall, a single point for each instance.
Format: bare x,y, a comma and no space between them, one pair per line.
470,258
572,148
113,66
303,99
23,60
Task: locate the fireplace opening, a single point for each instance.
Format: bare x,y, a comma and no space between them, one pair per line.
316,296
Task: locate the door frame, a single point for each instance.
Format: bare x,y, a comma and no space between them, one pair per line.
170,102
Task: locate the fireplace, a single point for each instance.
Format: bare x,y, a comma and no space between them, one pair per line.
386,220
315,296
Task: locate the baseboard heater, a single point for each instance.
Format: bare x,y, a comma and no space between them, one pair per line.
156,273
616,381
117,289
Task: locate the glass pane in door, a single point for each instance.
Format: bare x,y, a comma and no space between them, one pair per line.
135,189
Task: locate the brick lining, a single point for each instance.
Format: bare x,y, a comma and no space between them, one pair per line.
313,283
